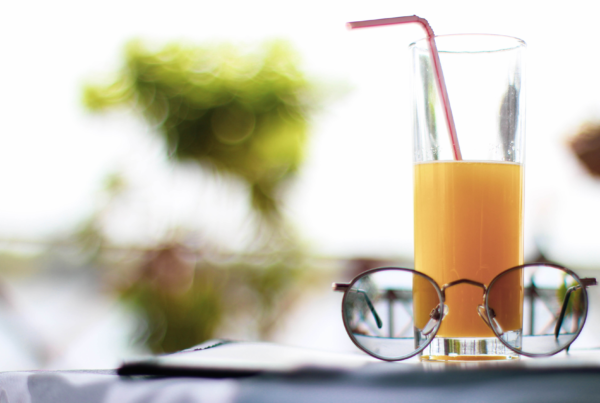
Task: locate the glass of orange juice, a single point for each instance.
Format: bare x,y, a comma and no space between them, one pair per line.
468,211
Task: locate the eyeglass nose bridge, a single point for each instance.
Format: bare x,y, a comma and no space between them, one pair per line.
463,281
491,322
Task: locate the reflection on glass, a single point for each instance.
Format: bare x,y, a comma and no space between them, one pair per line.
379,311
554,308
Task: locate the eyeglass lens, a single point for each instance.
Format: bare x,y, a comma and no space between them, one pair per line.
552,305
379,313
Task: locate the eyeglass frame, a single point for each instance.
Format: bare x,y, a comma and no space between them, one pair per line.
584,282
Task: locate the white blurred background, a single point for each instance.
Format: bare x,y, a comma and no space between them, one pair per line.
353,197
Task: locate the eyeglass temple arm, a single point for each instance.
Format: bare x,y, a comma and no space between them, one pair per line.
343,287
585,282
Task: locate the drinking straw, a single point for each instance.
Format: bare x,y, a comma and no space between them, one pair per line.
437,67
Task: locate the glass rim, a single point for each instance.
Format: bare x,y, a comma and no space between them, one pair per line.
390,268
503,43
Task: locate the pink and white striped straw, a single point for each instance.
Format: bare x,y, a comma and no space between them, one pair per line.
437,67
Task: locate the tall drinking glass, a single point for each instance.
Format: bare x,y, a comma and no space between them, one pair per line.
469,212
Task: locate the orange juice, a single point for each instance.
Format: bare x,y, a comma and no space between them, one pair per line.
469,225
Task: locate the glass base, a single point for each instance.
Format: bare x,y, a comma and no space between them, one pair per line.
470,349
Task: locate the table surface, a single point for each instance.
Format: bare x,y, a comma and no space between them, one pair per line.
562,378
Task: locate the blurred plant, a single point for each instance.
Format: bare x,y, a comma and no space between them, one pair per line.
586,146
241,115
238,113
185,301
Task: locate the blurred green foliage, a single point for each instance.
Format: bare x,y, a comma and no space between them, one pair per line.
238,112
229,109
181,310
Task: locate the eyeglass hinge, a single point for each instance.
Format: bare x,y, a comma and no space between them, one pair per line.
340,286
588,281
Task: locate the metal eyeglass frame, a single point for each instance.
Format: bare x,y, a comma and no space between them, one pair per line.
487,313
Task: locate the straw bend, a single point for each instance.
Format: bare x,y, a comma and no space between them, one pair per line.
437,67
393,21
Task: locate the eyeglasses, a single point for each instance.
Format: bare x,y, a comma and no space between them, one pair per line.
394,313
